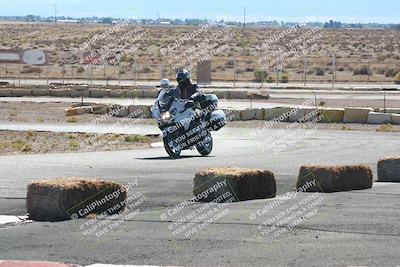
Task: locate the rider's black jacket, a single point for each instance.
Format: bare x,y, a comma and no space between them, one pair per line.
186,90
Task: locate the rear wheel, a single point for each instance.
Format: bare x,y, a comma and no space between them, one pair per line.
205,147
172,147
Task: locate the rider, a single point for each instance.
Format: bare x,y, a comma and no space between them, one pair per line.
185,86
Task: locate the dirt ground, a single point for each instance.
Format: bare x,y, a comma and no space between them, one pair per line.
361,55
31,142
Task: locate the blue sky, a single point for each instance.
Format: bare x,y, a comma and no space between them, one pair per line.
387,11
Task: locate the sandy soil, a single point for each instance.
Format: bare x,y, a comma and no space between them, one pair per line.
27,142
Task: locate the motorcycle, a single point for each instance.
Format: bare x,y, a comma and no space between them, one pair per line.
187,123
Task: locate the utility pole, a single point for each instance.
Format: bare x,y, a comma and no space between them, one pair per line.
55,15
244,18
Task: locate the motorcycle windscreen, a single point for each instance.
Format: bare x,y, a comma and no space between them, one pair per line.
165,99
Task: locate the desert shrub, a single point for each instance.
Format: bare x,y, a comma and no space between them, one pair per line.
319,72
260,75
285,78
340,69
397,78
30,69
364,70
80,70
146,70
230,64
391,72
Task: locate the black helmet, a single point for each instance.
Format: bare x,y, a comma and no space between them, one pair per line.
182,75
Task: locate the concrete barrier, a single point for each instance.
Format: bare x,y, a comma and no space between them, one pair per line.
235,94
389,169
117,93
356,115
232,114
139,112
252,114
21,92
332,115
5,93
396,119
66,198
304,115
329,179
238,184
279,113
150,93
60,92
99,93
379,118
389,110
40,92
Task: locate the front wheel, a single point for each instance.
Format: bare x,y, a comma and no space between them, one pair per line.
205,147
172,147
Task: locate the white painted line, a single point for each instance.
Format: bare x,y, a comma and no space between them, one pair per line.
8,219
158,144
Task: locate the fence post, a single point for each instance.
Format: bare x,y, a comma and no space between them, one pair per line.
19,75
48,75
369,70
63,73
119,73
277,78
384,101
334,70
305,70
6,70
234,71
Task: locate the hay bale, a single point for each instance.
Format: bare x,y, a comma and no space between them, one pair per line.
396,119
379,118
76,111
236,94
332,115
389,169
119,111
356,115
100,109
389,110
242,183
334,178
59,199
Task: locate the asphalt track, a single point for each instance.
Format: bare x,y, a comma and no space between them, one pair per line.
349,229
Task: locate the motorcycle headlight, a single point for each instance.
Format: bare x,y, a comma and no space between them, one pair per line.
166,116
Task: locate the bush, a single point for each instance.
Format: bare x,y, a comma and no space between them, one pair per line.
80,70
319,72
364,70
397,78
260,75
391,72
284,79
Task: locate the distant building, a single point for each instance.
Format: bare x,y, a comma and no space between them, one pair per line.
68,21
